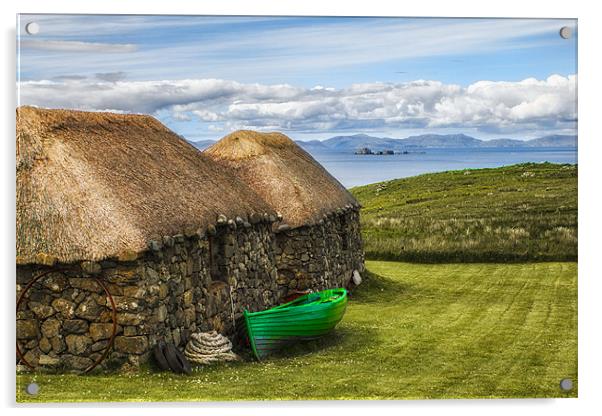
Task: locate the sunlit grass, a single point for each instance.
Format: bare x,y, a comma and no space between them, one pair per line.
523,212
411,331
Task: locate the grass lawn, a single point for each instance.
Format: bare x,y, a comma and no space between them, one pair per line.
524,212
411,331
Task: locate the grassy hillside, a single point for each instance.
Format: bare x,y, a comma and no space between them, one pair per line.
514,213
411,331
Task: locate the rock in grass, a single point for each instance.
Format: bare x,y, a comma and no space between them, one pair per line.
357,278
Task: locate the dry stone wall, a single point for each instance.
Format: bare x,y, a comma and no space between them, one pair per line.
173,290
182,284
320,256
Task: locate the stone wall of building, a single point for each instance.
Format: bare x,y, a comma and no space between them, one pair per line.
320,256
182,284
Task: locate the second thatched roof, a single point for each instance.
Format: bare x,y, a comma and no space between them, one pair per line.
98,185
286,176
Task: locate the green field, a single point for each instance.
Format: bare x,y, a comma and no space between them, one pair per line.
524,212
411,331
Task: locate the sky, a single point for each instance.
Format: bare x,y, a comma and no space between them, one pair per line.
309,77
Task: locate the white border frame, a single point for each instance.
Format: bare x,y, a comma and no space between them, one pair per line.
589,195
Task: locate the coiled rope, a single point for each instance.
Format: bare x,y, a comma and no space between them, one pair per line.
208,348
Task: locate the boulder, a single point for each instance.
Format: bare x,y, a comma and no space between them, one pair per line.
58,344
77,344
88,309
125,304
283,227
45,345
40,310
155,245
48,361
77,363
51,328
131,345
130,331
135,292
232,224
357,279
126,318
75,326
90,267
161,313
85,283
99,345
27,329
187,298
100,331
64,307
55,282
32,356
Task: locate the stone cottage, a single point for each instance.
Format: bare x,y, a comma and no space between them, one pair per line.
318,242
126,234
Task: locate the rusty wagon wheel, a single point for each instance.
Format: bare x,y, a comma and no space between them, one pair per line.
113,318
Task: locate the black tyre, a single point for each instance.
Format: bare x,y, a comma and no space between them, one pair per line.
160,356
177,362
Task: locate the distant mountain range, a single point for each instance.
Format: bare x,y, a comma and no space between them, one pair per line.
426,141
202,144
349,144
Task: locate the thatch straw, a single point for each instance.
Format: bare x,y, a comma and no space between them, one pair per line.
286,176
98,185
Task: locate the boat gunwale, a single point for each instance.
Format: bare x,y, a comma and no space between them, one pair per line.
286,307
316,310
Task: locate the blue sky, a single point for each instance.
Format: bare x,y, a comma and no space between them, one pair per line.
310,77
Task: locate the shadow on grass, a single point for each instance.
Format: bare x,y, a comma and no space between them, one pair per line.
376,288
346,338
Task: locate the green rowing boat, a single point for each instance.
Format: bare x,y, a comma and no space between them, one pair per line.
307,317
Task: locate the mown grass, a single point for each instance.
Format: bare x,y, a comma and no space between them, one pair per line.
411,331
524,212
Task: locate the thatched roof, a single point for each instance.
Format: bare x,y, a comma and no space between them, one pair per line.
98,185
286,176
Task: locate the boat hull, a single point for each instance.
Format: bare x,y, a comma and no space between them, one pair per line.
308,317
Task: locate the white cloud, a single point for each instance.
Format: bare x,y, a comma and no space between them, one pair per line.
493,106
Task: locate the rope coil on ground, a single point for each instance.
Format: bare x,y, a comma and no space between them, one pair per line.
209,347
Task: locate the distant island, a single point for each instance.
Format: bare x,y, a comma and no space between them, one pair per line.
369,151
355,143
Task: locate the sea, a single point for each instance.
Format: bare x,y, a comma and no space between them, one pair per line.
355,170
